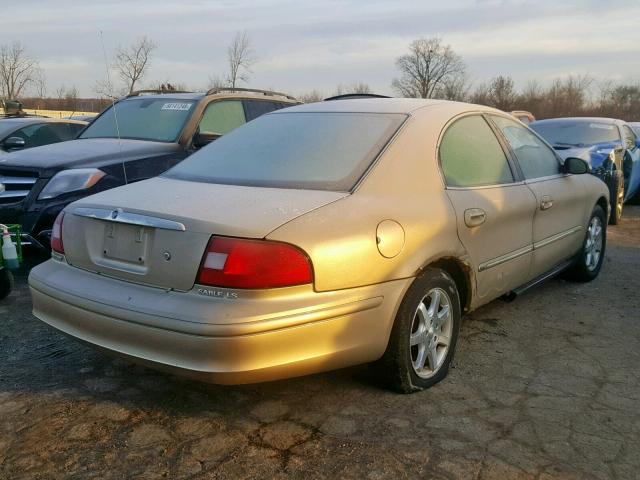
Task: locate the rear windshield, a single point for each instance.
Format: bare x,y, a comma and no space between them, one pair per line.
577,134
155,119
319,150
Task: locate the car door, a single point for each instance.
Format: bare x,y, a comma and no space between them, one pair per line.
494,208
558,223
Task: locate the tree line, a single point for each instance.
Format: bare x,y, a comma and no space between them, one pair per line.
429,69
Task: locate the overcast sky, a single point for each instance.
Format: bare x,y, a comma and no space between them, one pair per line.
306,45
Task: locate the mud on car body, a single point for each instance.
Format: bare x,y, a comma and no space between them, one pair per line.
139,137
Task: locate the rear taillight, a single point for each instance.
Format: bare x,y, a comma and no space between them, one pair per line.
56,234
242,263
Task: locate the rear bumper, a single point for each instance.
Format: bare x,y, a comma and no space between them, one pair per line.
255,337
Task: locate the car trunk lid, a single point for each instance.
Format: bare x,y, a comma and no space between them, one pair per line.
155,232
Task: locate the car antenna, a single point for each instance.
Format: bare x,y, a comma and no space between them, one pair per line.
113,105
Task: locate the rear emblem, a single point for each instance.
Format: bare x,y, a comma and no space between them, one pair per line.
114,214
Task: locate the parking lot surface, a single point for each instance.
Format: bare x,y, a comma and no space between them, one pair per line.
544,387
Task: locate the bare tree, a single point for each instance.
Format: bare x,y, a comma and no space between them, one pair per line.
427,68
40,84
132,63
217,83
502,93
357,87
311,96
455,88
60,93
71,98
481,95
531,98
17,70
241,57
567,97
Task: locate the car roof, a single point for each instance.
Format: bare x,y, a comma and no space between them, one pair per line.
166,96
611,121
386,105
20,121
200,95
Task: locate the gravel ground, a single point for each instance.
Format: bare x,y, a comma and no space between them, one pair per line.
545,387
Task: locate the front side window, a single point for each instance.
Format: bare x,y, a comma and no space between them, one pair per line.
154,119
222,116
471,155
535,158
319,150
38,135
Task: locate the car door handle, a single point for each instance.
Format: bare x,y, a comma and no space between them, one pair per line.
546,203
474,217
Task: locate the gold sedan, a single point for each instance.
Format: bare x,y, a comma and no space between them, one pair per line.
322,236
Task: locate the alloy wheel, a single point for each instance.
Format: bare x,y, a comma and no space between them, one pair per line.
431,333
593,245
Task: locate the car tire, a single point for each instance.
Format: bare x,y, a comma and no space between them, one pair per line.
6,283
588,261
616,193
424,334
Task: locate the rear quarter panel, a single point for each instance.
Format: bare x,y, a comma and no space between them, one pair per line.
404,186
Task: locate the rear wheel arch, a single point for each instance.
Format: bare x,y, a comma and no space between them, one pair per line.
602,201
461,273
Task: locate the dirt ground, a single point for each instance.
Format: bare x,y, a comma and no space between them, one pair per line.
545,387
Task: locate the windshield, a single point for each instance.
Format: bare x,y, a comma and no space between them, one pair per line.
319,150
577,134
155,119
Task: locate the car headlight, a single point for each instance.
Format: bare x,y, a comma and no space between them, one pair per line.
71,181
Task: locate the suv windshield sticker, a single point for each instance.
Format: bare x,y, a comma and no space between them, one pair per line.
176,106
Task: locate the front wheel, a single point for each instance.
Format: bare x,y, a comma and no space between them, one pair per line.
588,261
6,283
424,334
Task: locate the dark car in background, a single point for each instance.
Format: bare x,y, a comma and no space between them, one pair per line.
610,146
18,133
139,137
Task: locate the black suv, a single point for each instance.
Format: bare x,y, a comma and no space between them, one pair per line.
139,137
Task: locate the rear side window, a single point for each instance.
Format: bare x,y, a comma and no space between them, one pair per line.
255,108
536,159
222,116
75,129
471,155
66,131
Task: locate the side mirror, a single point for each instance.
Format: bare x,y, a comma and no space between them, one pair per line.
203,139
14,143
575,166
